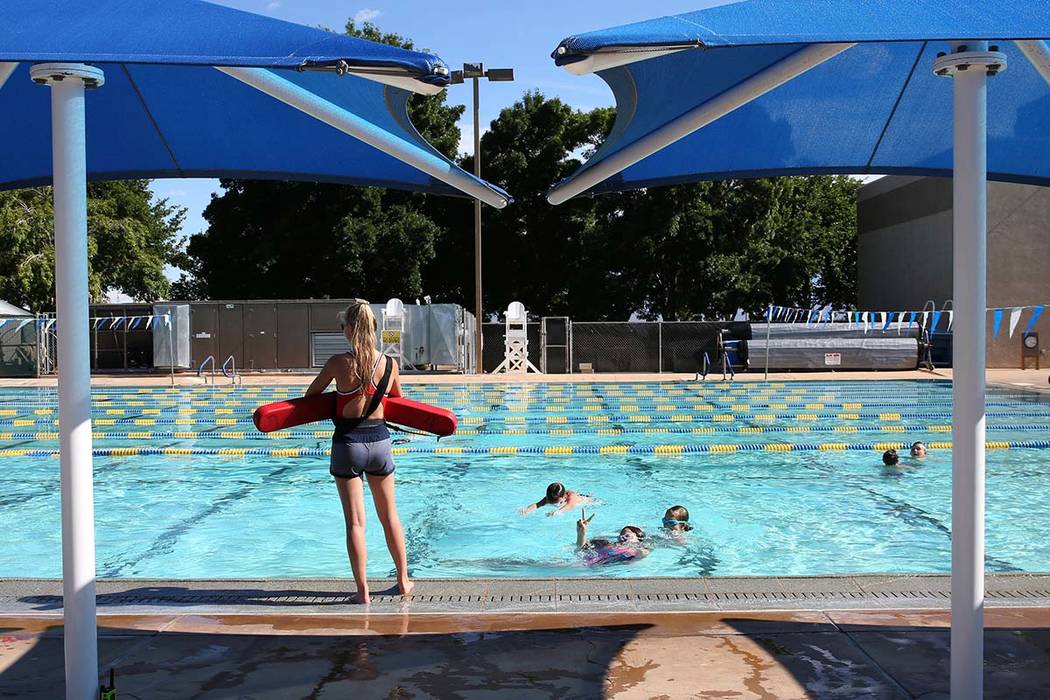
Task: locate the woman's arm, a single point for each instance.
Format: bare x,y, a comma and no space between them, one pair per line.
322,380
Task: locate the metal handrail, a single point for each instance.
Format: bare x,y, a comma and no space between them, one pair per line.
211,359
232,373
702,374
727,365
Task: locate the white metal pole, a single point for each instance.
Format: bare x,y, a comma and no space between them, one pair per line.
171,345
293,95
1038,54
968,291
969,64
769,330
479,311
68,143
6,69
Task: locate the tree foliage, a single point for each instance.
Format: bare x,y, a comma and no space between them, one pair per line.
681,252
131,238
706,249
269,239
292,240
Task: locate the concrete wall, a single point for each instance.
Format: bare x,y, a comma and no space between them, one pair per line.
905,251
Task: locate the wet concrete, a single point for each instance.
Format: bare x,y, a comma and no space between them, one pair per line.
798,654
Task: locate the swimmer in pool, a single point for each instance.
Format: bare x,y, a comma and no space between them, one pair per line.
558,495
918,450
630,545
676,524
892,465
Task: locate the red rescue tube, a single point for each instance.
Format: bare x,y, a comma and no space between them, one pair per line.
288,414
282,415
421,416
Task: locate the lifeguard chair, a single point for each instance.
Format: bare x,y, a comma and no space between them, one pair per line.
516,353
393,332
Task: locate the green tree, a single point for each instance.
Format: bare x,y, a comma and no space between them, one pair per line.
296,239
131,238
270,239
532,252
706,249
682,252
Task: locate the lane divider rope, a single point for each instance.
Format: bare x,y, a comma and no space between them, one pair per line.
568,420
511,450
228,407
317,434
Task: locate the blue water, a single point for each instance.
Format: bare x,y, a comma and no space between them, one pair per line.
754,513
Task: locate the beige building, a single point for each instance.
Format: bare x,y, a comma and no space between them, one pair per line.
905,252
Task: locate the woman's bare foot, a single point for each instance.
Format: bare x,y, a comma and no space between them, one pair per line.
406,586
362,596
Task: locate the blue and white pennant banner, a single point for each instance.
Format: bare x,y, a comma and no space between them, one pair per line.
933,320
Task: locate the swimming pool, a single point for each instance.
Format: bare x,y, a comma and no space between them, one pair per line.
780,479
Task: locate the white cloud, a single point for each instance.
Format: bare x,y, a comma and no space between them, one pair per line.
366,15
274,4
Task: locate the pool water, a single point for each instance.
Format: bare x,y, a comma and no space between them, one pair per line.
755,511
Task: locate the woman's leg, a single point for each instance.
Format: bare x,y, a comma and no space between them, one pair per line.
352,496
382,488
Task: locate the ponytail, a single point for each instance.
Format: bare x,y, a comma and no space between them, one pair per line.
359,325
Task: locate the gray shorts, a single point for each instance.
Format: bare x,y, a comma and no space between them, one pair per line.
362,450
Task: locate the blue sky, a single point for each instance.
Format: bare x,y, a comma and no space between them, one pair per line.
519,35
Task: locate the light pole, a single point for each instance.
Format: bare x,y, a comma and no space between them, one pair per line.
475,72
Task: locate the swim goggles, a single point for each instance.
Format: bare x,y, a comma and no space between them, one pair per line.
671,522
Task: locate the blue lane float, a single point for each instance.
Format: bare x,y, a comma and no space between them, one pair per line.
560,451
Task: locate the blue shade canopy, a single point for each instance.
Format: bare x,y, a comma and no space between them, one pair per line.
874,108
186,32
165,111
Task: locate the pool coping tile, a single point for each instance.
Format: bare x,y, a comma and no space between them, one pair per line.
314,596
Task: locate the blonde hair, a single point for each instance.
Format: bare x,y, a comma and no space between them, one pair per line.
359,326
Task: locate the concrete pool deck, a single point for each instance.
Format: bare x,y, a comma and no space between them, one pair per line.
509,595
814,653
1028,380
871,636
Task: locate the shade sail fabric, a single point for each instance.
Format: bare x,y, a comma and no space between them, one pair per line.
186,32
164,111
875,108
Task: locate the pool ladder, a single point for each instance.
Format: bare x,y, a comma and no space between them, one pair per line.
727,368
229,370
723,354
200,370
231,373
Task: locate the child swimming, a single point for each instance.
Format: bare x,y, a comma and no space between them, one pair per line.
558,495
676,519
630,544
